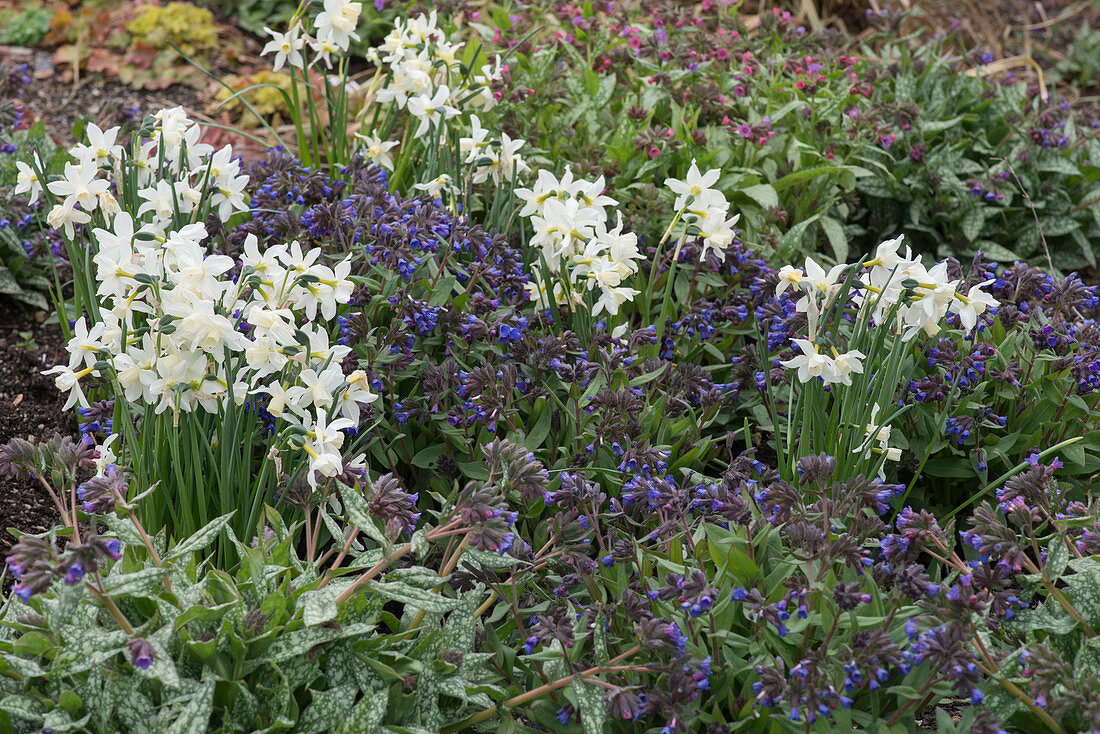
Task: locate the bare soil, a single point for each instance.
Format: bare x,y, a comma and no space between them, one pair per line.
30,406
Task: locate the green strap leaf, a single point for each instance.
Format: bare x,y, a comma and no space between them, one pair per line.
204,537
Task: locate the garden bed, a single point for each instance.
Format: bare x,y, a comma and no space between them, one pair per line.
680,368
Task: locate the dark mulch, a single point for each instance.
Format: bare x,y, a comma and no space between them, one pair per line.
30,405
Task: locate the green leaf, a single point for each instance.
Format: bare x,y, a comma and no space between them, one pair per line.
297,644
367,714
541,429
1075,452
763,194
319,605
805,174
599,638
427,699
23,667
488,559
195,716
1058,164
358,514
590,706
23,707
417,598
60,720
138,582
204,537
32,643
993,251
1057,558
932,126
972,223
124,528
876,187
837,240
425,457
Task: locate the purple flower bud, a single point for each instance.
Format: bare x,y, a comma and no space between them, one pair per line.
141,653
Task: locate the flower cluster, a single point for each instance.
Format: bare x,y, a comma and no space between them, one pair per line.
333,32
36,564
570,222
426,77
181,328
704,208
496,159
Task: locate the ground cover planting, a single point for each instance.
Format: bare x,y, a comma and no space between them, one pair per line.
606,367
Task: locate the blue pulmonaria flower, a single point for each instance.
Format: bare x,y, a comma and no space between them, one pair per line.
976,697
113,548
675,637
564,716
529,645
74,574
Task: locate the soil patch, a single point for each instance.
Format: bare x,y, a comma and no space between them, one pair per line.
105,100
30,405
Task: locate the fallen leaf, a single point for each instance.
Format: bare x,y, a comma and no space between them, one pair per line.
100,59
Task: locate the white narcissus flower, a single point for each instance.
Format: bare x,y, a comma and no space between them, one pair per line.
717,231
818,279
693,186
323,443
358,391
68,381
65,216
886,255
278,398
378,150
287,47
789,276
434,187
315,389
85,344
848,363
105,455
336,23
971,306
100,149
430,110
26,180
612,298
475,144
80,185
171,124
264,358
508,163
881,435
811,363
